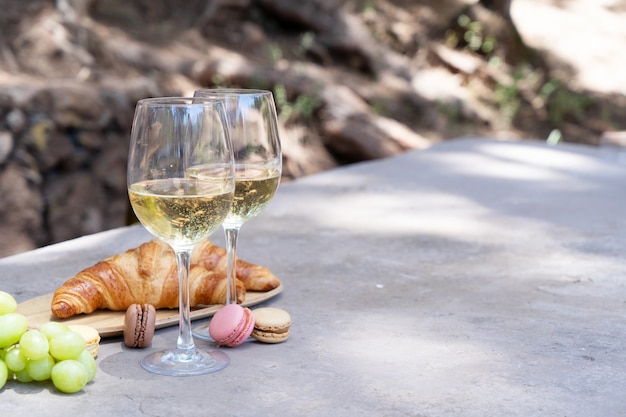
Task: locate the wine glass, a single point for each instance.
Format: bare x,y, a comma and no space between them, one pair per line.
171,139
253,128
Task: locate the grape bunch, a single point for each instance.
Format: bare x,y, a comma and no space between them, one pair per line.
54,352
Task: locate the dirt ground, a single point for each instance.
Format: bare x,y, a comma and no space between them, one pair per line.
589,35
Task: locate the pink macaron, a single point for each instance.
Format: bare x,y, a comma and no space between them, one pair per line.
231,325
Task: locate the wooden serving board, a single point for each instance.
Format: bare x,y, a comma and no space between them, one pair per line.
111,323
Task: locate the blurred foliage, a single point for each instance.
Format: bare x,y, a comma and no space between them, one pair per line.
470,34
302,107
561,103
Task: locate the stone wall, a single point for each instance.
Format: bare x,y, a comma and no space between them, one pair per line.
63,152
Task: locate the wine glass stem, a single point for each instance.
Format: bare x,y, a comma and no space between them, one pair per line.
231,233
185,338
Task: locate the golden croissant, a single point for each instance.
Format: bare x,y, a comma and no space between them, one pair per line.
146,274
213,258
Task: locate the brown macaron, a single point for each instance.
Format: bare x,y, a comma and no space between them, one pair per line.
139,325
271,325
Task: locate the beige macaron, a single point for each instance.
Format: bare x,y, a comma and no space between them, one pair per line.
91,336
271,325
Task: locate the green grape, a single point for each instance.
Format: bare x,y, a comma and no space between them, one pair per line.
14,359
7,303
67,345
3,353
13,326
40,369
23,376
34,345
53,328
89,363
4,374
69,376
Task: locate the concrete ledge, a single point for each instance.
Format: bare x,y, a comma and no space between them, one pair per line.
475,278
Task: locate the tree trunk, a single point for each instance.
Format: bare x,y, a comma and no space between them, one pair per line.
502,7
516,49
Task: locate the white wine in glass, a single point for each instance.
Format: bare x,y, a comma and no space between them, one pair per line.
253,131
170,138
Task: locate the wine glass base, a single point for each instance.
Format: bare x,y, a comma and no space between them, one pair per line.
202,332
174,362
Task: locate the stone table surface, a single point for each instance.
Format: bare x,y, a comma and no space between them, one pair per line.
474,278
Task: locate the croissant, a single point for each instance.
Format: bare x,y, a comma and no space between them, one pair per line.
213,258
146,274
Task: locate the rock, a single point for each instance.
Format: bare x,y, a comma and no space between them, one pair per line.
21,211
109,166
6,145
90,139
353,132
613,139
16,120
74,202
303,155
63,150
16,241
50,146
78,106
